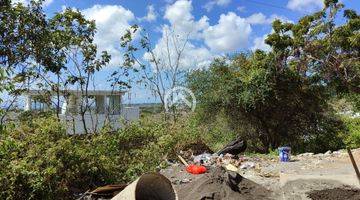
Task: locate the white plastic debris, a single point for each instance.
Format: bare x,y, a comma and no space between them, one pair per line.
247,165
203,158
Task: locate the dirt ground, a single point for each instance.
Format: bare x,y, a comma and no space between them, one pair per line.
307,176
219,184
335,193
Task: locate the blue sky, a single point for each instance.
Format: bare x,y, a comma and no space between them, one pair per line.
217,27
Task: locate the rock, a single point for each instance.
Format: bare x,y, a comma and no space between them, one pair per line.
328,153
305,154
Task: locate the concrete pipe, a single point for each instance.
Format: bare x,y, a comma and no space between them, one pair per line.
150,186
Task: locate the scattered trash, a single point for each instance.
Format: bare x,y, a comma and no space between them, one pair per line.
231,167
247,165
284,154
185,180
229,159
196,169
234,147
195,148
183,160
203,158
193,169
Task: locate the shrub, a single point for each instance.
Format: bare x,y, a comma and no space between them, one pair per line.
353,127
39,161
42,162
266,103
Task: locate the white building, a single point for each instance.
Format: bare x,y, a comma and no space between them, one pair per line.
103,108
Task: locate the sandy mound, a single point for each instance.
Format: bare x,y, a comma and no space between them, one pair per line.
219,184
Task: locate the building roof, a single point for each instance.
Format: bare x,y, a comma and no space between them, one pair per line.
76,92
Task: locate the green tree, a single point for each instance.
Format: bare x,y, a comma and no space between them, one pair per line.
23,35
319,46
281,97
72,40
55,53
266,105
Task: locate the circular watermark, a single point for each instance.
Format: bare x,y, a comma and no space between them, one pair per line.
180,97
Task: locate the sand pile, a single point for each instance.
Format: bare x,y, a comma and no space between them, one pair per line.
219,184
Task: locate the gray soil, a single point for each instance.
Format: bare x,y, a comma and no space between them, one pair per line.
335,194
218,184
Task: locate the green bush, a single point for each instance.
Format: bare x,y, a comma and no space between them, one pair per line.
42,162
330,134
39,161
267,106
353,127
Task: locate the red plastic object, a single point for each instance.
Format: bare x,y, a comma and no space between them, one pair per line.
196,169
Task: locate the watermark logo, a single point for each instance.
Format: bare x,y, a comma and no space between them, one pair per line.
180,97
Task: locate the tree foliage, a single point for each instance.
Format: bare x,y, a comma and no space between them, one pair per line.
281,97
267,106
52,54
320,46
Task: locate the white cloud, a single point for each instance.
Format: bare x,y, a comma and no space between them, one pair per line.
26,2
197,57
48,2
20,1
305,5
259,43
260,18
171,43
183,27
257,18
182,21
111,22
205,42
210,4
151,14
230,34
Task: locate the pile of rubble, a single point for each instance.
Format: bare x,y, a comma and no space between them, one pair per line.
215,160
227,156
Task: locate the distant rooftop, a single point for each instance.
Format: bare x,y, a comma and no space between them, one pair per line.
76,92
